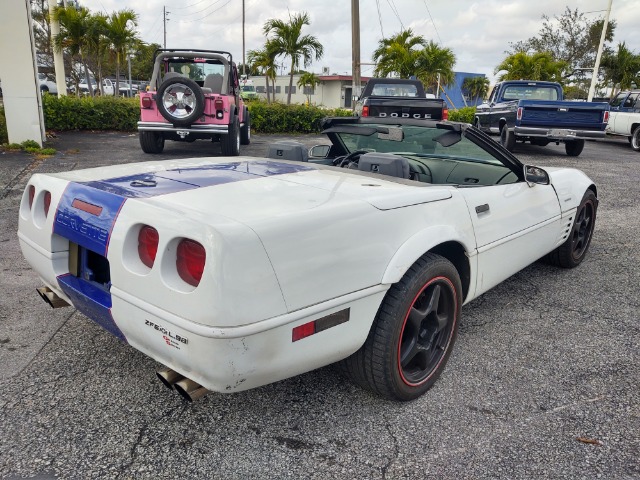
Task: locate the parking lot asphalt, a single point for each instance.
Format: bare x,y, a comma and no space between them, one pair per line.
543,381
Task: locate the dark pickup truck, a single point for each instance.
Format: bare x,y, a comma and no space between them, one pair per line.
395,98
522,110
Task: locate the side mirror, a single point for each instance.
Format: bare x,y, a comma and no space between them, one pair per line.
319,151
536,176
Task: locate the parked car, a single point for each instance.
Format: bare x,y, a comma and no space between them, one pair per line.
399,98
528,111
625,117
237,272
193,94
108,87
126,91
47,85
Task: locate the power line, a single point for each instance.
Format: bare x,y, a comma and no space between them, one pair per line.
199,11
380,17
152,26
208,14
432,22
188,6
395,11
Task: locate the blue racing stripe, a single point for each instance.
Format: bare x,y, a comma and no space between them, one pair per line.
87,228
163,182
92,301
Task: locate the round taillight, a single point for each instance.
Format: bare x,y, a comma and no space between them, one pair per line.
32,195
146,102
148,245
190,259
47,203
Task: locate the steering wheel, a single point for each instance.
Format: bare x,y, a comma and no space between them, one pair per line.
352,157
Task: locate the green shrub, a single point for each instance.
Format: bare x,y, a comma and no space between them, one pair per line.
31,149
27,144
4,137
47,151
281,118
13,146
86,113
465,114
109,113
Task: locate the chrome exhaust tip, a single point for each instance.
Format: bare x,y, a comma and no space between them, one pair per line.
169,377
50,297
190,390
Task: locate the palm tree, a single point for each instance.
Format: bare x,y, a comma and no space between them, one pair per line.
398,54
434,66
476,86
622,69
538,66
97,43
74,25
265,60
308,79
122,36
288,41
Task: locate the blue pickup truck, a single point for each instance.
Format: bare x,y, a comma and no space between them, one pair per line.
523,110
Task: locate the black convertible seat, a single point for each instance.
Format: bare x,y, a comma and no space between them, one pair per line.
288,151
384,164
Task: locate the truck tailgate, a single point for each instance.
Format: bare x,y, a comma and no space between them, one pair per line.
410,107
579,115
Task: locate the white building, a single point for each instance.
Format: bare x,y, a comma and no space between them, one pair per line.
333,91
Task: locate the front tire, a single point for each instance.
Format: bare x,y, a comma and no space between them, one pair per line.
230,142
574,147
571,253
413,333
507,138
151,142
635,139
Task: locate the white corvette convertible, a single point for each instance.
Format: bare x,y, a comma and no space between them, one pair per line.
237,272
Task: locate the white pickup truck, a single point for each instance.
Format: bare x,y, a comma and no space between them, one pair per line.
625,117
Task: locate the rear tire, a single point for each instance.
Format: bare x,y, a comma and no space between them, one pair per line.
151,142
507,138
571,253
230,142
635,139
245,131
574,147
413,333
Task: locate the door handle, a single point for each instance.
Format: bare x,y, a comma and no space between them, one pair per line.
482,208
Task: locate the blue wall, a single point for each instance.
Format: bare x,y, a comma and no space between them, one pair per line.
454,92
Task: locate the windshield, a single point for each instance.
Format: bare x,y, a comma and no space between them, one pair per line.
530,92
435,155
394,90
248,88
195,69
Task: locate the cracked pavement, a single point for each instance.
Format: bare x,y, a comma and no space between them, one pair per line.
543,363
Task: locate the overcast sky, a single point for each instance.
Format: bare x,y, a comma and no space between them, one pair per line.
477,32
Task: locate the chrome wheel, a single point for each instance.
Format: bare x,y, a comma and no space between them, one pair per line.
179,100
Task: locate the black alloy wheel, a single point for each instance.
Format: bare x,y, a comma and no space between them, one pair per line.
413,333
583,229
573,251
426,331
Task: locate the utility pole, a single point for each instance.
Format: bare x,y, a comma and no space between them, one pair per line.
243,67
58,59
596,67
165,20
355,49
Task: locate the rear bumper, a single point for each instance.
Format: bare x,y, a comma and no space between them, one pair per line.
558,133
167,127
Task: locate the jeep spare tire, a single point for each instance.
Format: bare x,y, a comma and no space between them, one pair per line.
180,100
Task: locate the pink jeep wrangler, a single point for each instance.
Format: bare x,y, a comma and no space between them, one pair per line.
193,94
